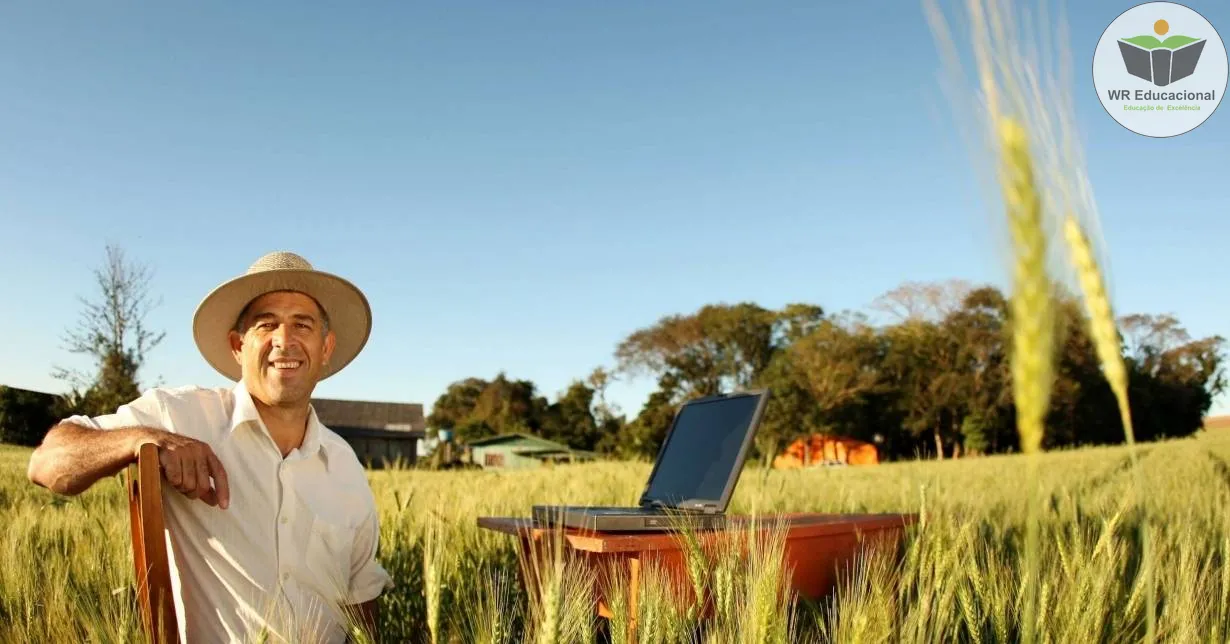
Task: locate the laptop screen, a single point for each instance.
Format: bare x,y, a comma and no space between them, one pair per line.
702,450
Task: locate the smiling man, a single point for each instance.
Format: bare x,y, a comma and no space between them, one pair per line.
272,527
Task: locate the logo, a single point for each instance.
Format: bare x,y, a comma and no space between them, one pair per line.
1160,69
1161,62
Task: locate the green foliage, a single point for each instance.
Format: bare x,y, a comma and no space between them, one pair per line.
571,421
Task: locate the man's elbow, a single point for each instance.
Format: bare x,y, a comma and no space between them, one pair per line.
38,470
46,475
42,470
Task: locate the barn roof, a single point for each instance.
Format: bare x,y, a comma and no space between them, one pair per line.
523,440
369,415
546,453
363,432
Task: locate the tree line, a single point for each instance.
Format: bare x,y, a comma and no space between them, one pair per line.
932,381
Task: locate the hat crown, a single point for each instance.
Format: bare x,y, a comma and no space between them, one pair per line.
279,260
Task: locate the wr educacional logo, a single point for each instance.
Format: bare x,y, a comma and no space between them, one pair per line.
1160,69
1161,62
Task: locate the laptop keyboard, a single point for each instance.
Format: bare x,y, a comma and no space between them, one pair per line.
609,510
606,510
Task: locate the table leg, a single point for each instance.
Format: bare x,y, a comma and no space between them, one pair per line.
634,584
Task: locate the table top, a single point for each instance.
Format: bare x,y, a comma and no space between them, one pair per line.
797,525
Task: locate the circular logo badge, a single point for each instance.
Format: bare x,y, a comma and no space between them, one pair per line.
1160,69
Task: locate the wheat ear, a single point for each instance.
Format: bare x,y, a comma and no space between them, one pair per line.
1101,319
1033,329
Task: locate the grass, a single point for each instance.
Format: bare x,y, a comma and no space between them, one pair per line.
959,577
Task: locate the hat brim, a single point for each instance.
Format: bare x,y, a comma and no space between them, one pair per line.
350,315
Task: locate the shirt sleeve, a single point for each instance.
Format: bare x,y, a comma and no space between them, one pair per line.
368,579
145,411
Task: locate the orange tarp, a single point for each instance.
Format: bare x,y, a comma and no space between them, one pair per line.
817,448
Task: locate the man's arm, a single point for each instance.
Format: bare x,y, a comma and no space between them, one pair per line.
73,457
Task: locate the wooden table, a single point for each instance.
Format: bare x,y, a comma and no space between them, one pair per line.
817,547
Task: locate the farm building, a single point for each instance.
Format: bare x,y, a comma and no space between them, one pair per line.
378,432
26,415
521,451
819,449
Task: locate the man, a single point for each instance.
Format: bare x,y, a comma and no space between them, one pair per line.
272,527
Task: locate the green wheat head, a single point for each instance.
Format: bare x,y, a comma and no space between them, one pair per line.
1101,318
1033,324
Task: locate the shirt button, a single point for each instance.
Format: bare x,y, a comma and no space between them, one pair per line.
285,576
284,520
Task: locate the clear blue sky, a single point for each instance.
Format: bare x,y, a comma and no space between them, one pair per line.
518,186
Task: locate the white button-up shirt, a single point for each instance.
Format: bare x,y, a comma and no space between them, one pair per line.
297,543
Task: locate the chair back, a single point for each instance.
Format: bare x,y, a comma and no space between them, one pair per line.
149,547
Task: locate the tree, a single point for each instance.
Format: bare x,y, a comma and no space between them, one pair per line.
819,382
453,409
838,363
475,408
791,410
979,327
509,406
642,438
921,364
718,348
570,419
1174,378
113,332
795,321
599,380
931,301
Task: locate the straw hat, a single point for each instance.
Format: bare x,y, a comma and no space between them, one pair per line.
350,315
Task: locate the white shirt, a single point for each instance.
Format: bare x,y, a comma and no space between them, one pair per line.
297,542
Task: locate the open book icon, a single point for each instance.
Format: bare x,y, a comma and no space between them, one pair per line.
1161,62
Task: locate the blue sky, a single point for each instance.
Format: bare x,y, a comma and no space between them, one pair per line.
518,186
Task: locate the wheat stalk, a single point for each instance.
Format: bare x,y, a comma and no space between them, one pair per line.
1033,330
1001,75
1105,335
433,573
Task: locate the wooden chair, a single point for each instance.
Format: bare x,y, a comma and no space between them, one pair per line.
149,547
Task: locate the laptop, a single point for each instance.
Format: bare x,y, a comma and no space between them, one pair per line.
693,476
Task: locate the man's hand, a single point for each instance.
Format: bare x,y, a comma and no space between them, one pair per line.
188,464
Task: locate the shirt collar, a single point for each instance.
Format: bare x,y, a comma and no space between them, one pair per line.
245,413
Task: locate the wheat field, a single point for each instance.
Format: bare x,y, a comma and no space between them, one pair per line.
67,573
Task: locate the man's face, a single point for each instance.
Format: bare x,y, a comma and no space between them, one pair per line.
282,346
